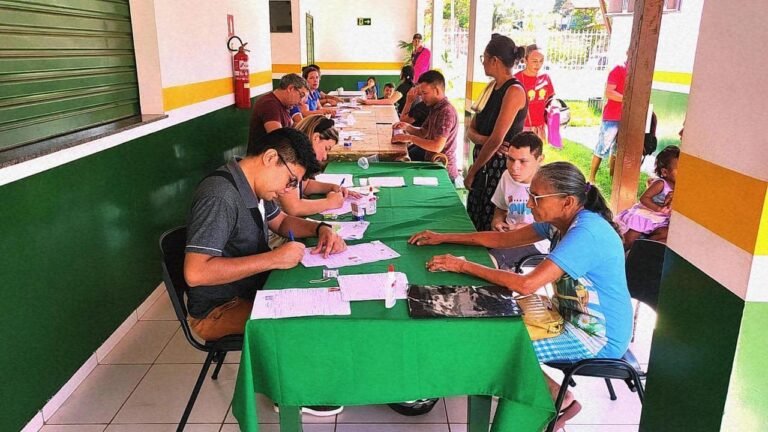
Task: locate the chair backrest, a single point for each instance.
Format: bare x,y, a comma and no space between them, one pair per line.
172,245
643,268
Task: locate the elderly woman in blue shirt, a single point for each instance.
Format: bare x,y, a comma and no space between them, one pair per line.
585,265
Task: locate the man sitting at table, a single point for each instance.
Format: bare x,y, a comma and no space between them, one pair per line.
273,110
438,134
227,257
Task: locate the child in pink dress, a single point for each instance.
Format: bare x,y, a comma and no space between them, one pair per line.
650,216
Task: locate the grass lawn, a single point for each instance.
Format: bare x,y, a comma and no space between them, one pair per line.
582,114
582,157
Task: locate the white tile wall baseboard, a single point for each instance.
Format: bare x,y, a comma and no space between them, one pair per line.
53,404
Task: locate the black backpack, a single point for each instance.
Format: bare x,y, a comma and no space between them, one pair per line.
650,142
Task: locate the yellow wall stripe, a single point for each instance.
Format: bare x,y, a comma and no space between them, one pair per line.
189,94
286,68
474,89
683,78
730,204
762,233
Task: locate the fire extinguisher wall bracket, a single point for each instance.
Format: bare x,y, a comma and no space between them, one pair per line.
241,74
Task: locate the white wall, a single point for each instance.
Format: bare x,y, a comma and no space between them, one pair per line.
192,38
338,38
677,40
287,47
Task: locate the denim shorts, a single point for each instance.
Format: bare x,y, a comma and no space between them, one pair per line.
606,142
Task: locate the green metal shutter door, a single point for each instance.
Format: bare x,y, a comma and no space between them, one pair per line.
65,65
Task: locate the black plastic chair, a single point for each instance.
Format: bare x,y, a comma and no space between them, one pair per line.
626,368
644,264
172,246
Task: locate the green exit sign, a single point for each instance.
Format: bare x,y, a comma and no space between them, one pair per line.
363,21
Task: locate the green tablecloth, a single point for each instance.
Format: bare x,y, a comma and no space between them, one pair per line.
380,355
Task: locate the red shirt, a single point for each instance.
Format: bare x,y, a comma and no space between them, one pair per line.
538,89
268,108
617,77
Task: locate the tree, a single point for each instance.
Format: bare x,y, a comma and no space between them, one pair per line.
460,12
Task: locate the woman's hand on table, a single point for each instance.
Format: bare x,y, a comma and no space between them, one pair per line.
426,238
336,199
446,262
288,255
328,242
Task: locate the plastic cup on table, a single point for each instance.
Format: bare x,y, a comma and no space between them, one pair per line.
364,162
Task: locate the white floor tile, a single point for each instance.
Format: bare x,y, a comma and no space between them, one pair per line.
384,414
143,343
599,409
265,411
163,393
276,428
161,310
100,396
602,428
73,428
179,350
392,428
458,427
162,428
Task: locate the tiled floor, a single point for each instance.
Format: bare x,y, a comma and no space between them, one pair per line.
144,382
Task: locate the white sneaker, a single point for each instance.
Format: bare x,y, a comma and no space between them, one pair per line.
317,410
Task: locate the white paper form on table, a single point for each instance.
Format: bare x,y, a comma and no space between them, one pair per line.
363,190
345,208
425,181
351,230
362,253
298,302
335,178
371,286
386,181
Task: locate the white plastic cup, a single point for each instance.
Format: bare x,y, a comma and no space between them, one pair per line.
363,163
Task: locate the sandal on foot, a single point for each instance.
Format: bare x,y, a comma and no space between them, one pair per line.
568,413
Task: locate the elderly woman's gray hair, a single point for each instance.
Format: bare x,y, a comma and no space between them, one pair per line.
564,177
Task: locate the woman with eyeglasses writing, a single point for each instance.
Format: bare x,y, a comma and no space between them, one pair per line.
585,265
323,135
502,117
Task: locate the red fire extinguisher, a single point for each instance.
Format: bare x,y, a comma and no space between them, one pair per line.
241,75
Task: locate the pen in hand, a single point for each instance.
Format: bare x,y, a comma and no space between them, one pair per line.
290,235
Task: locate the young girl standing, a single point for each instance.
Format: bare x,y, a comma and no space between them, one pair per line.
650,216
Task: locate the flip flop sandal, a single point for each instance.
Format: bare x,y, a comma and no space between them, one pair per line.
567,414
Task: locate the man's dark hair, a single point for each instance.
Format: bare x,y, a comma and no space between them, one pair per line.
530,140
292,145
389,85
293,79
432,77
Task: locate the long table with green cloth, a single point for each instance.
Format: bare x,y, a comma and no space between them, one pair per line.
378,355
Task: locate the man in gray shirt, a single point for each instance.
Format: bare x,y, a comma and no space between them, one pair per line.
227,257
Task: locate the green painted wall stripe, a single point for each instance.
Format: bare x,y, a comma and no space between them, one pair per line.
692,352
80,249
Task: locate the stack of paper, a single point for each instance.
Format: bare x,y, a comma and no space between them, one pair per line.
345,208
297,302
363,253
335,178
371,286
363,189
425,181
386,181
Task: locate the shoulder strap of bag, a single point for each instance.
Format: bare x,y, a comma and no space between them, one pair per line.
258,219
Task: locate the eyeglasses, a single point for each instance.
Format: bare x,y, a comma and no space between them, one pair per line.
294,181
536,198
302,94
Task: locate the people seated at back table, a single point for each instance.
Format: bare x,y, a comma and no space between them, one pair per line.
369,89
397,95
272,110
440,129
313,102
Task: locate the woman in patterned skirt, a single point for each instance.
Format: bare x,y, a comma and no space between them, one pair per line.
502,117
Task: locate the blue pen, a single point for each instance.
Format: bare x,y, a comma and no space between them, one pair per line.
290,235
342,181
